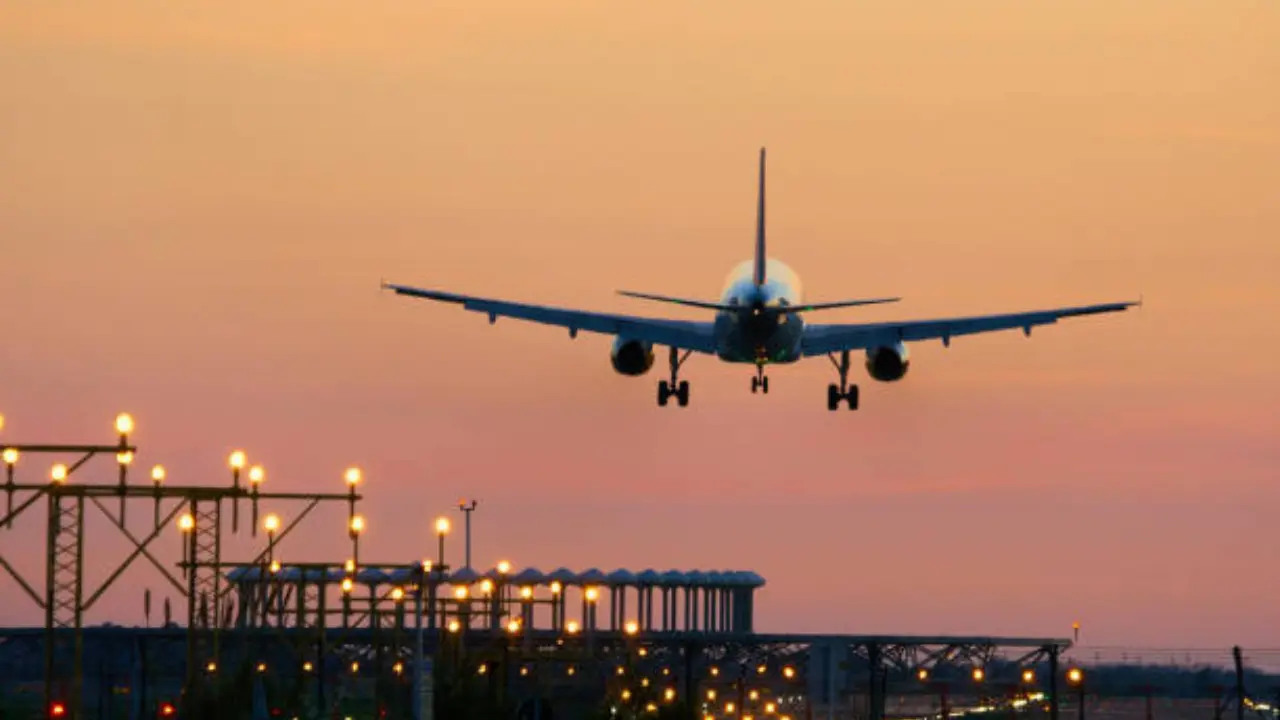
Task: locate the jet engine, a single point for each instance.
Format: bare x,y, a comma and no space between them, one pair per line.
888,363
631,357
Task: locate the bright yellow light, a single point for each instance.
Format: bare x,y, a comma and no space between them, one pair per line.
644,652
626,695
58,473
486,586
644,682
353,476
397,594
715,671
275,566
760,669
788,672
770,708
620,671
398,668
922,674
236,461
349,565
212,666
157,473
357,524
257,474
513,627
1028,676
572,671
124,423
482,669
461,592
262,667
504,567
355,667
979,674
11,456
593,594
442,526
347,585
669,694
124,458
666,671
1075,676
271,523
572,627
556,587
651,708
186,523
729,708
454,626
754,695
526,592
631,628
711,694
307,666
426,566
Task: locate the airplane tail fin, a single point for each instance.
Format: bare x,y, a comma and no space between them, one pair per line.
758,275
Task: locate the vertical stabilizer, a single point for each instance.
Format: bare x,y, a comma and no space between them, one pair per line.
758,275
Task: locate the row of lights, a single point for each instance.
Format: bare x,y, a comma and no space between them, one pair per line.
1075,675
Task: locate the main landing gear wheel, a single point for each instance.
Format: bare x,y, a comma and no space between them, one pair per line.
843,391
675,386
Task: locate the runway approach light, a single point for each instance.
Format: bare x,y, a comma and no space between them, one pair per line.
10,456
124,458
124,423
257,474
157,474
979,674
526,592
572,627
236,461
58,473
271,523
1028,676
186,523
593,594
504,567
442,526
352,476
632,627
1075,676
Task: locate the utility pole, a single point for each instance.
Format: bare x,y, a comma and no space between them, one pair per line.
1235,653
467,510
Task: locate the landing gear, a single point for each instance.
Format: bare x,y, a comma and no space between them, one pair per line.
843,391
676,386
760,383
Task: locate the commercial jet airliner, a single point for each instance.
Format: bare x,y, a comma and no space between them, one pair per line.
759,319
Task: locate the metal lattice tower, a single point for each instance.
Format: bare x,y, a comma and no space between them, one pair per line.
64,593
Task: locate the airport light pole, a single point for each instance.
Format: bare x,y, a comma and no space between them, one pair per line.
1075,676
442,529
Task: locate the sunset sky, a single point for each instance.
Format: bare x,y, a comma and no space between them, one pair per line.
198,201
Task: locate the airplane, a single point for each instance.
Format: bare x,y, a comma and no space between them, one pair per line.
759,319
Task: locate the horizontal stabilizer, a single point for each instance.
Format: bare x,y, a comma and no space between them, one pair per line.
840,304
678,301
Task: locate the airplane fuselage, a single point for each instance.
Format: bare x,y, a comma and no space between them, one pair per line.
748,336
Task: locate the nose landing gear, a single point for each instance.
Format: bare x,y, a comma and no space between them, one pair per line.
678,388
843,391
760,383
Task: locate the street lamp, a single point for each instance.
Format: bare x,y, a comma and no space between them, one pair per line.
157,479
236,462
256,476
271,523
1075,677
442,529
352,477
355,528
10,456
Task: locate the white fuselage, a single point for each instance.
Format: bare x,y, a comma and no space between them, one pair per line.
747,336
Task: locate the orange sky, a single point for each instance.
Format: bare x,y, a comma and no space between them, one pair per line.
197,203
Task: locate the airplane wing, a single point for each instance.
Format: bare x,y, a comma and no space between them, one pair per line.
682,334
823,339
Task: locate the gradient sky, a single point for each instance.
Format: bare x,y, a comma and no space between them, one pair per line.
197,202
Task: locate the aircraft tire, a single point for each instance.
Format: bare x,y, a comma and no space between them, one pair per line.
764,385
853,397
682,395
833,397
664,392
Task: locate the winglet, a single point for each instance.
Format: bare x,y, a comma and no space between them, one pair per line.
758,276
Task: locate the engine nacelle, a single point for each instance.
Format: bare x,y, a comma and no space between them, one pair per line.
888,363
631,357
